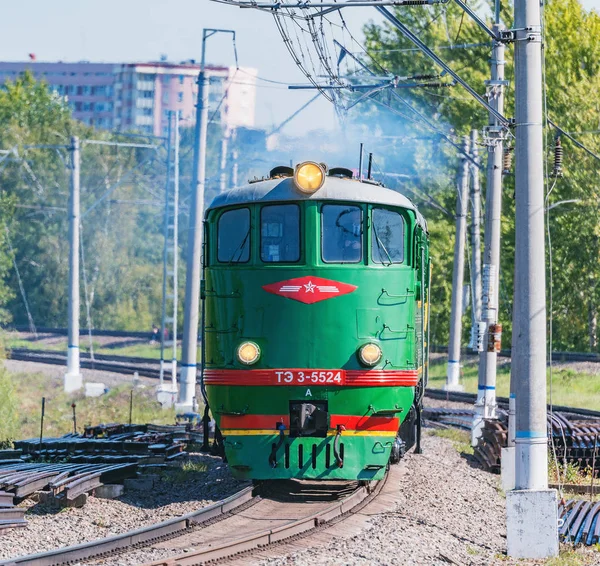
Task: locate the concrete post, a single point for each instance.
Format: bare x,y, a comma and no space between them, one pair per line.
189,346
531,508
176,143
453,374
73,380
485,407
166,394
163,316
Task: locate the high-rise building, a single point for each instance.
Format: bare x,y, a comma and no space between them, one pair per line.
137,96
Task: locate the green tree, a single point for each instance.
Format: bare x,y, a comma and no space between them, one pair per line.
572,55
122,205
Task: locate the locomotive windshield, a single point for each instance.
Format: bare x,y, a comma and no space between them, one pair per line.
341,233
234,236
387,243
280,233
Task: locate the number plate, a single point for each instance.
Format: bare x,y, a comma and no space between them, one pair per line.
308,377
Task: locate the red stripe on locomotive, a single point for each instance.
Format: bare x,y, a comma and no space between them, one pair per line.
356,378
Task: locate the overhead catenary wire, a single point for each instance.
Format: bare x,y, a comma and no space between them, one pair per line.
86,294
550,285
576,142
32,328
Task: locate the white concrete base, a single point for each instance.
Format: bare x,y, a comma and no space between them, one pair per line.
95,389
532,523
454,387
453,377
166,396
187,386
476,428
73,382
507,468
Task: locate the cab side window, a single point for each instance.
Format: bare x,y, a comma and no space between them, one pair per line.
280,233
387,238
233,236
341,233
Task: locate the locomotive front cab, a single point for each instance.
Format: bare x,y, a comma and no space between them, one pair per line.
311,330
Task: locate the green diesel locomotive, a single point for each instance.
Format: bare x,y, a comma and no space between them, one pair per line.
316,288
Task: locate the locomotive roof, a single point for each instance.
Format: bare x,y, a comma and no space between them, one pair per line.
334,188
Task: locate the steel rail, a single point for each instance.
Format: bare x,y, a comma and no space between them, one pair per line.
291,531
138,537
113,364
462,397
85,355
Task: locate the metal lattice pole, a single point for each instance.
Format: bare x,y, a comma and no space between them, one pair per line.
475,242
485,406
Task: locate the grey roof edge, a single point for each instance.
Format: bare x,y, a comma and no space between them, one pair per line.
334,188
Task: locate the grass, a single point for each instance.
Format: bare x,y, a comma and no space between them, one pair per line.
136,351
188,471
461,439
571,473
29,388
570,388
142,350
10,342
569,556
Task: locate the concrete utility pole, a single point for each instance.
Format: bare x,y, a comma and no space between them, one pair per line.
73,380
462,199
166,393
475,243
189,346
485,406
531,508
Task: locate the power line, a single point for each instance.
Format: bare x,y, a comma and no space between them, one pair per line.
577,143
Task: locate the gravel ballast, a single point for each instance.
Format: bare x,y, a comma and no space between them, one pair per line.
447,512
175,494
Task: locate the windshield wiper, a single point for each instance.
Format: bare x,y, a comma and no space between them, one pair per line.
240,248
381,246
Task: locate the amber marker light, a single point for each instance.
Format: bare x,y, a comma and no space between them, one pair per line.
248,353
370,354
309,177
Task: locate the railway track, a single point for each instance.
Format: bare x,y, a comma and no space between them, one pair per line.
144,536
470,398
258,517
146,367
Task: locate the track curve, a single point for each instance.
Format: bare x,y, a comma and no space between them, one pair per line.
140,537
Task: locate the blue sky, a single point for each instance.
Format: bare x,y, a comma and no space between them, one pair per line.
129,30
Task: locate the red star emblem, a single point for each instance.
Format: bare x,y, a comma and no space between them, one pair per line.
309,289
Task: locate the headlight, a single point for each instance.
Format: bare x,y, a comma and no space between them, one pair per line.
370,354
309,176
248,353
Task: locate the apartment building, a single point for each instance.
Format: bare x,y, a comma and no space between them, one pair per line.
138,96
